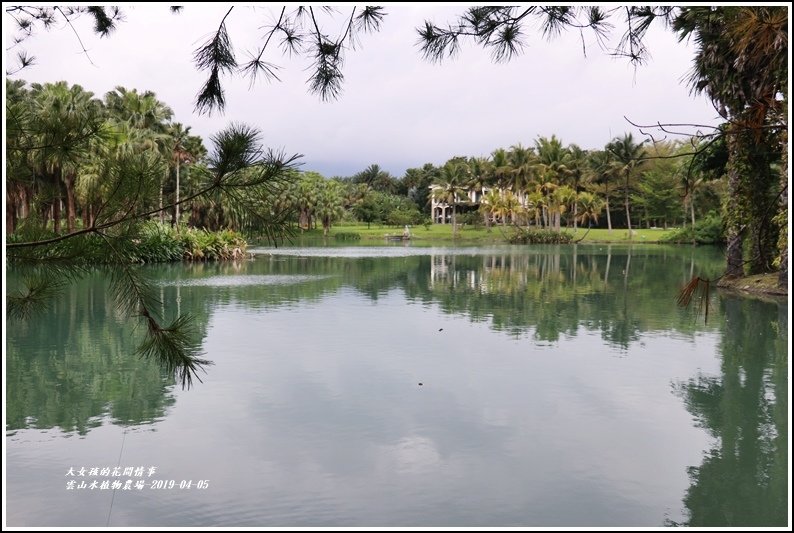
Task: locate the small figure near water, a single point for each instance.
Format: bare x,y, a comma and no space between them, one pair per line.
406,233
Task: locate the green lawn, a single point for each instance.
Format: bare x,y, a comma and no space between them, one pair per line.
471,235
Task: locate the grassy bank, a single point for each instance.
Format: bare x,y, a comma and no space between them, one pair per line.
442,233
763,286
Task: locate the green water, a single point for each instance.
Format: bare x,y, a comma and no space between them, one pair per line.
560,386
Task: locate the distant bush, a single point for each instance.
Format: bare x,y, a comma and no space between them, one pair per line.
539,236
158,243
706,231
202,245
472,218
404,215
347,236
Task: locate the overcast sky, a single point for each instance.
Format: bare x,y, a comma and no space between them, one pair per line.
396,109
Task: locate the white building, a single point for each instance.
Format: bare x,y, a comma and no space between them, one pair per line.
441,212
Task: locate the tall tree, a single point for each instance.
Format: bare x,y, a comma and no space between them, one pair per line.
627,154
451,188
185,148
603,166
576,176
741,64
64,120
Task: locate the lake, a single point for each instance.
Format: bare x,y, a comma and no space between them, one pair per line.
408,386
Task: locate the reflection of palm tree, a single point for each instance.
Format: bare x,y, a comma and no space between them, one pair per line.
743,479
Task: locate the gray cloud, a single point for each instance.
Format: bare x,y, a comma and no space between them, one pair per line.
396,109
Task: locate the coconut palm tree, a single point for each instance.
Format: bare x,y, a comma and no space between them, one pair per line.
524,164
590,207
451,188
490,205
500,168
577,174
377,179
559,201
536,206
627,154
480,178
552,159
511,207
603,169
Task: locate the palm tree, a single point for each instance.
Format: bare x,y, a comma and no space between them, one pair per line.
19,184
480,177
552,158
143,111
140,110
329,203
490,205
178,134
185,148
603,168
64,120
451,187
500,168
377,179
590,207
741,63
628,155
536,206
524,164
577,174
511,207
559,199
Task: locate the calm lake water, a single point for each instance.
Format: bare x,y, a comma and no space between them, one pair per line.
405,386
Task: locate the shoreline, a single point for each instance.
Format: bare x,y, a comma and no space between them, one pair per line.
761,286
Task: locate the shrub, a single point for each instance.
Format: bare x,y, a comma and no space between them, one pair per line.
161,243
347,236
706,231
539,236
472,218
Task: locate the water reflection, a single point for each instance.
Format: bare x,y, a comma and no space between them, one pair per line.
743,478
549,384
74,366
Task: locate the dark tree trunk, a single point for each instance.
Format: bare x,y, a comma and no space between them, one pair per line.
70,204
56,214
11,210
782,244
734,227
24,196
628,213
